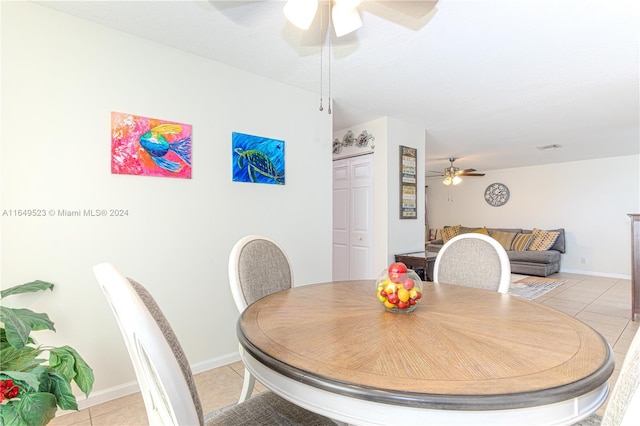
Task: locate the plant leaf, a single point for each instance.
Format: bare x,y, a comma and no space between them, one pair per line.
37,321
17,331
4,343
61,388
22,378
84,374
37,408
62,361
66,358
9,415
31,287
24,359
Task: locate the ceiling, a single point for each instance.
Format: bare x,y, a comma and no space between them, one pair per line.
489,80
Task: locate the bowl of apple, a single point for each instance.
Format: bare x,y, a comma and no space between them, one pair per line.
398,288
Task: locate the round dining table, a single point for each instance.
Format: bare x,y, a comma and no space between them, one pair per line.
465,356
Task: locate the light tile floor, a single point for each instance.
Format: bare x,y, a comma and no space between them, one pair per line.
603,303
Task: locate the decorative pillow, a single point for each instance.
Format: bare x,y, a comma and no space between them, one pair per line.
467,230
542,240
504,238
521,241
482,230
448,232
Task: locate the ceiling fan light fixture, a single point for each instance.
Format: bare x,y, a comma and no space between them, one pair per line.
345,20
301,12
447,180
349,4
456,180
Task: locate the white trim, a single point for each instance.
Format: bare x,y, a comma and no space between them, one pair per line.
595,274
129,388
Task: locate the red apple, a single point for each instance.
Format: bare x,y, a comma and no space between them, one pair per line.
403,305
397,271
393,298
412,301
408,283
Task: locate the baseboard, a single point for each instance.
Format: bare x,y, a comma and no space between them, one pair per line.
596,274
124,389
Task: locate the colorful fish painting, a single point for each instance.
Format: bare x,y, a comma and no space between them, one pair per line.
257,159
150,146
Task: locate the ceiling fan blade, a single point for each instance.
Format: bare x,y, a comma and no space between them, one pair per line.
471,174
468,170
411,14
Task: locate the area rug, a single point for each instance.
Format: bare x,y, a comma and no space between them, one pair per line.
532,287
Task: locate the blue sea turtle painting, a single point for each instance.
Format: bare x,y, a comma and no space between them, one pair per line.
258,159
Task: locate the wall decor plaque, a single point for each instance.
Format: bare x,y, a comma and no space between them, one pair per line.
408,183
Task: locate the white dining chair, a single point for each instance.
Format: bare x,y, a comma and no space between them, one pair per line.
163,372
258,267
473,260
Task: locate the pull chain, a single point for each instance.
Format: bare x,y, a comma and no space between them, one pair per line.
329,61
321,44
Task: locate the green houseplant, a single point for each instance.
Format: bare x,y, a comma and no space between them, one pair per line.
31,386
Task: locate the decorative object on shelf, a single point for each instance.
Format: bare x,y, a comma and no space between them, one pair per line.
408,183
364,138
362,141
496,194
347,139
150,146
257,159
398,288
31,387
337,146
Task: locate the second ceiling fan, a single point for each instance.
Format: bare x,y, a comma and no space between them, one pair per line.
452,174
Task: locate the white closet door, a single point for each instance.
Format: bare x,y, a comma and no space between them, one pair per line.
341,220
353,218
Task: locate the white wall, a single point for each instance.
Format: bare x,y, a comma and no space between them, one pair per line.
589,199
392,235
405,235
61,78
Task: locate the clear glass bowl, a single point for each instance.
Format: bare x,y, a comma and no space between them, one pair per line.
400,295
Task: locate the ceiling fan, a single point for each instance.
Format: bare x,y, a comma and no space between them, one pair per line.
452,174
345,14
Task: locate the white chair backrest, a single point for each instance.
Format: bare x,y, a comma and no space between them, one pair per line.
258,267
473,260
162,370
623,407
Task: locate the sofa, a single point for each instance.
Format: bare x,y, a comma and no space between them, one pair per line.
530,251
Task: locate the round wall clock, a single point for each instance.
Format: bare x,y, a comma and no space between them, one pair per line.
496,194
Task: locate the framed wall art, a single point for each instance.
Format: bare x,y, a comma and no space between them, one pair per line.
408,183
150,146
257,159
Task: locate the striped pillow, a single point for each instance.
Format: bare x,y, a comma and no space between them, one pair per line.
542,240
448,232
521,241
